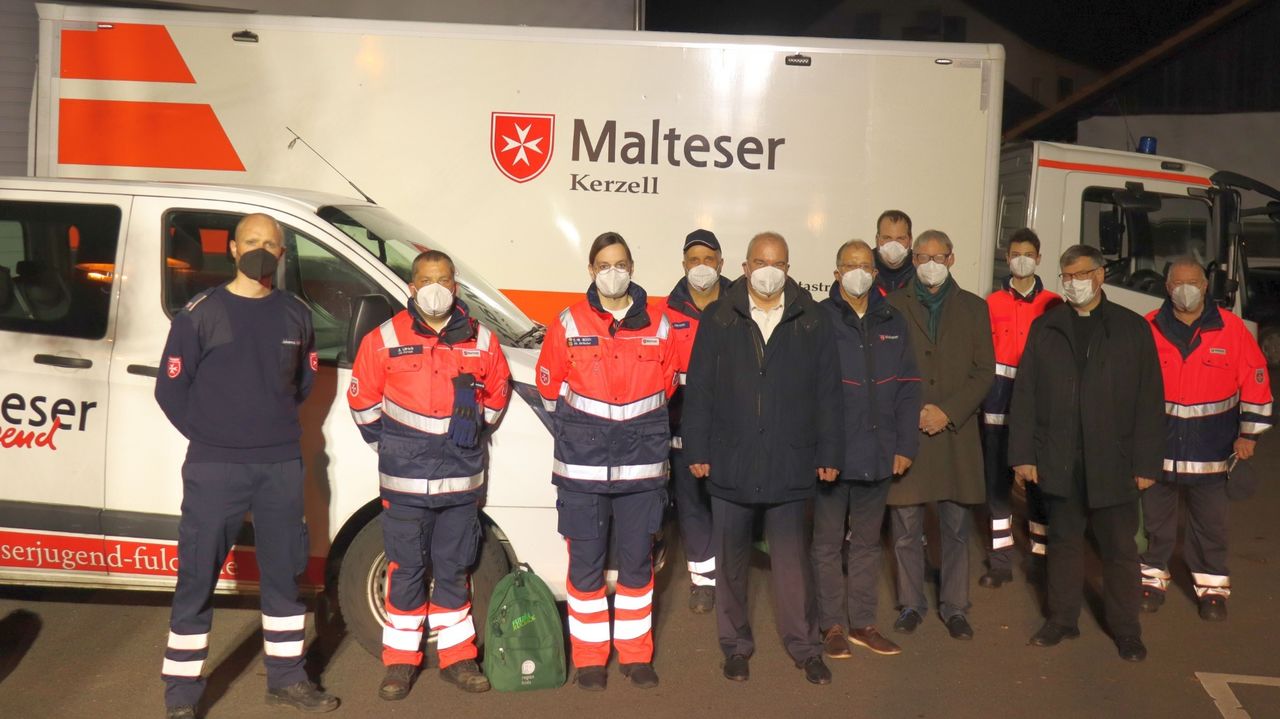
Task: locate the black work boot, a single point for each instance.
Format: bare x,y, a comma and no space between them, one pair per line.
702,600
640,674
303,696
466,675
398,681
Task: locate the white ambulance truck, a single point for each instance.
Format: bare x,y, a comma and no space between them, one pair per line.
91,272
523,144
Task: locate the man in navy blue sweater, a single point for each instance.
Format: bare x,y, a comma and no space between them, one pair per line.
239,361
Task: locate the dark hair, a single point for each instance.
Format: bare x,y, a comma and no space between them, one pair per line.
432,256
1027,235
893,216
1076,252
605,240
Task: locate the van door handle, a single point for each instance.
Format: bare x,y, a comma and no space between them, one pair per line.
144,370
60,361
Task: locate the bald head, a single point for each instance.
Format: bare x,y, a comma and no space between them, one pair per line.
257,228
770,243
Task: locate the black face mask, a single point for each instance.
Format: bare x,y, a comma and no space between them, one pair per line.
257,264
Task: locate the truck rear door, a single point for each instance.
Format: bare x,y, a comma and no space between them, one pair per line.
59,300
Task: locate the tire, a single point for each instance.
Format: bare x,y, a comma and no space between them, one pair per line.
362,581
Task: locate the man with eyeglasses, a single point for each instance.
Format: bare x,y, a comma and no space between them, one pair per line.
1013,308
894,269
763,415
1217,399
1087,426
881,392
951,336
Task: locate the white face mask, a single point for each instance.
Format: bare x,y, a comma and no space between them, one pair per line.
856,281
434,300
932,274
1186,297
1078,292
768,281
893,253
613,282
703,277
1022,266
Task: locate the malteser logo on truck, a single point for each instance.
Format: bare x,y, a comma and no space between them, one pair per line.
522,143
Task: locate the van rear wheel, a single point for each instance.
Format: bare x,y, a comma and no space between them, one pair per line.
362,582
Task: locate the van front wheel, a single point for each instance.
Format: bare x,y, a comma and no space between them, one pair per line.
362,582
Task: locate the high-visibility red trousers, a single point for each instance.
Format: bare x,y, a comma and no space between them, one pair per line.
585,520
449,537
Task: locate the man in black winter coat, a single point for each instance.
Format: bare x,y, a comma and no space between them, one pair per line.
880,386
1088,427
762,417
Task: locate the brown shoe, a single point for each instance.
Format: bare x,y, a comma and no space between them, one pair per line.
834,643
872,639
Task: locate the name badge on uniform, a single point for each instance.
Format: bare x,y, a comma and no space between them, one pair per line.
649,340
1217,350
471,353
584,341
403,350
681,325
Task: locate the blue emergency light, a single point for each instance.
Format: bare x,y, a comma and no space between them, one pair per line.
1147,144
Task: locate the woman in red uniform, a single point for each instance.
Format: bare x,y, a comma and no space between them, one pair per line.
605,373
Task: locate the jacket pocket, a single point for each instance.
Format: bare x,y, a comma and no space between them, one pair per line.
656,512
405,363
577,515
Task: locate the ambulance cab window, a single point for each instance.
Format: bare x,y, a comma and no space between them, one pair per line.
57,267
328,284
1139,244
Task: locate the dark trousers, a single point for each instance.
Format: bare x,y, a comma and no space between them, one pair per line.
848,600
443,541
215,497
908,548
1114,527
693,509
995,454
585,520
1205,549
789,576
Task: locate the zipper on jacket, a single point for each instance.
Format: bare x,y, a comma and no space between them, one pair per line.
757,340
864,329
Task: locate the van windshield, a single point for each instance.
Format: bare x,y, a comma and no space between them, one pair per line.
395,243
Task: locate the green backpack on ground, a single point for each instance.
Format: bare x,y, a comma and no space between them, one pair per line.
524,640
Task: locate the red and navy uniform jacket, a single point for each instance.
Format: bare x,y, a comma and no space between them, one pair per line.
684,315
1216,388
881,386
402,398
1011,318
606,384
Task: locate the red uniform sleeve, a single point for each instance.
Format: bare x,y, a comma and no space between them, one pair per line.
497,385
364,396
1255,388
553,365
671,359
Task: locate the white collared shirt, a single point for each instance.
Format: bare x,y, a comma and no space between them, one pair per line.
768,319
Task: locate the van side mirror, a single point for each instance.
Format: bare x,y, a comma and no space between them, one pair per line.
1133,198
367,312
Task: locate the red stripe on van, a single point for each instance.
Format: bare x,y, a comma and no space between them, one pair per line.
122,51
143,134
25,549
1126,171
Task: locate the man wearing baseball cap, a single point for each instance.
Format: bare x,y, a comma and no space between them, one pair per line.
701,285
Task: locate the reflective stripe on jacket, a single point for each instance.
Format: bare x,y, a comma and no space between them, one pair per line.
402,399
1216,389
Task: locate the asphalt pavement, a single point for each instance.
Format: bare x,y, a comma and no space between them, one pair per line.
87,653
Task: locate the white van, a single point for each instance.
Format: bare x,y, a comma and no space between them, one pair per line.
91,273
